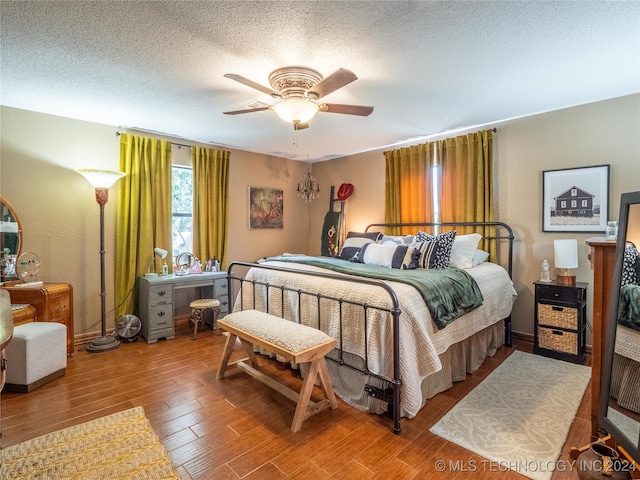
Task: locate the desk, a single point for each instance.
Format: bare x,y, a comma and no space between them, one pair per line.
53,302
163,298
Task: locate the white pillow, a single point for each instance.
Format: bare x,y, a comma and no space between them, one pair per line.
464,247
479,257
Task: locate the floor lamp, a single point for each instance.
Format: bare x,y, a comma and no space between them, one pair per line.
102,180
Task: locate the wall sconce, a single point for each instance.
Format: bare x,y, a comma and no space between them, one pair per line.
308,188
565,257
160,252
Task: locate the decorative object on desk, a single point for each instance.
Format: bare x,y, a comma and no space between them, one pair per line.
102,180
565,257
266,207
160,252
308,187
128,328
185,262
545,275
575,199
27,267
611,231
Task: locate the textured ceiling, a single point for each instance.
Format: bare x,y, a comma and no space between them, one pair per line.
427,67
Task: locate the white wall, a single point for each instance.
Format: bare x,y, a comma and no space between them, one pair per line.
60,217
600,133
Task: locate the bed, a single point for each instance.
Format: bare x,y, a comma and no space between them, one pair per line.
403,335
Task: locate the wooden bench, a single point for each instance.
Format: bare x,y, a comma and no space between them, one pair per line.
295,343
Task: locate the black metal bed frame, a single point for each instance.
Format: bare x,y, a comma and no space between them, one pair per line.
237,283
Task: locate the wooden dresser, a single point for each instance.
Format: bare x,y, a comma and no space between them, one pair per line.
53,302
602,256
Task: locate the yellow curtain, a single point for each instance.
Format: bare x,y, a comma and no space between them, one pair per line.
408,181
466,193
144,213
210,203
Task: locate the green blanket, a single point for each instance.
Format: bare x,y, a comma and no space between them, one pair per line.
448,293
629,307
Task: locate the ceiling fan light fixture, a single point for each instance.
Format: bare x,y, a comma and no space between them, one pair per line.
296,110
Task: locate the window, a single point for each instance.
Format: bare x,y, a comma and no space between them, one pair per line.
574,204
574,192
584,204
563,204
182,209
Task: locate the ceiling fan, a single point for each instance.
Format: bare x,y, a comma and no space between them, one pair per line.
299,88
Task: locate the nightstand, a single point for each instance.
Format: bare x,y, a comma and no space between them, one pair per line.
560,320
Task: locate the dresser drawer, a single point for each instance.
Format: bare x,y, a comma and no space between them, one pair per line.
554,293
558,316
160,316
59,307
558,340
159,294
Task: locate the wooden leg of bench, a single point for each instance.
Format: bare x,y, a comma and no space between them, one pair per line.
305,395
248,347
326,383
226,355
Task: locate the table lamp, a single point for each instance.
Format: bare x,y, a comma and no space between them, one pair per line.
565,257
160,252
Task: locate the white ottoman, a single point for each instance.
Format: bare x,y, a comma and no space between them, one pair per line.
37,354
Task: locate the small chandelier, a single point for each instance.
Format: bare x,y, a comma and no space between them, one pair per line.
308,188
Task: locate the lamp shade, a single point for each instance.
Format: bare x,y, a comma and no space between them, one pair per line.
161,252
565,253
296,110
101,178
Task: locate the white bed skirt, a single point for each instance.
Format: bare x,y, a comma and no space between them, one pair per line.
459,360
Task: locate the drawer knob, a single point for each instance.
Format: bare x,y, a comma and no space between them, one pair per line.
162,293
557,309
161,314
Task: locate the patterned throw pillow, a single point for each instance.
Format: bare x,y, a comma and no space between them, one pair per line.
631,266
354,241
403,257
435,251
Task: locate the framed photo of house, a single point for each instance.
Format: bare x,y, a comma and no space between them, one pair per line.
265,208
575,199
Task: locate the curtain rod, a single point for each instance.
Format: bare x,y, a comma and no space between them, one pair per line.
179,145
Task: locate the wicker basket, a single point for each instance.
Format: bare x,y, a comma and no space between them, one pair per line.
555,316
558,340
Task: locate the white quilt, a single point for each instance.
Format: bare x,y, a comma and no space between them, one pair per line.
420,341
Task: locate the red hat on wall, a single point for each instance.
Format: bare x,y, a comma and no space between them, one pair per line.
345,191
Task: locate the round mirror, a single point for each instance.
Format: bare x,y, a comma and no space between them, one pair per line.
10,241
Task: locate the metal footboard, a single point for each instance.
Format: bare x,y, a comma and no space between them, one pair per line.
388,304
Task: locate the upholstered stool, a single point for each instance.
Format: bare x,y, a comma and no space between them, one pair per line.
36,355
198,307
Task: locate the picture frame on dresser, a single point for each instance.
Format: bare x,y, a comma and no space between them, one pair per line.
575,199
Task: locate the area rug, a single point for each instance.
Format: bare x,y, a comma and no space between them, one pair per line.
118,446
519,416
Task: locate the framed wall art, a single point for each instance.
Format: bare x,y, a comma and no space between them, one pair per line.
575,199
265,207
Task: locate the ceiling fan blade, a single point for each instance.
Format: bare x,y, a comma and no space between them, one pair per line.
248,110
361,110
300,125
333,82
252,84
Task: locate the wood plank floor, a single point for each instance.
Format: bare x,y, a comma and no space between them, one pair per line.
239,428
